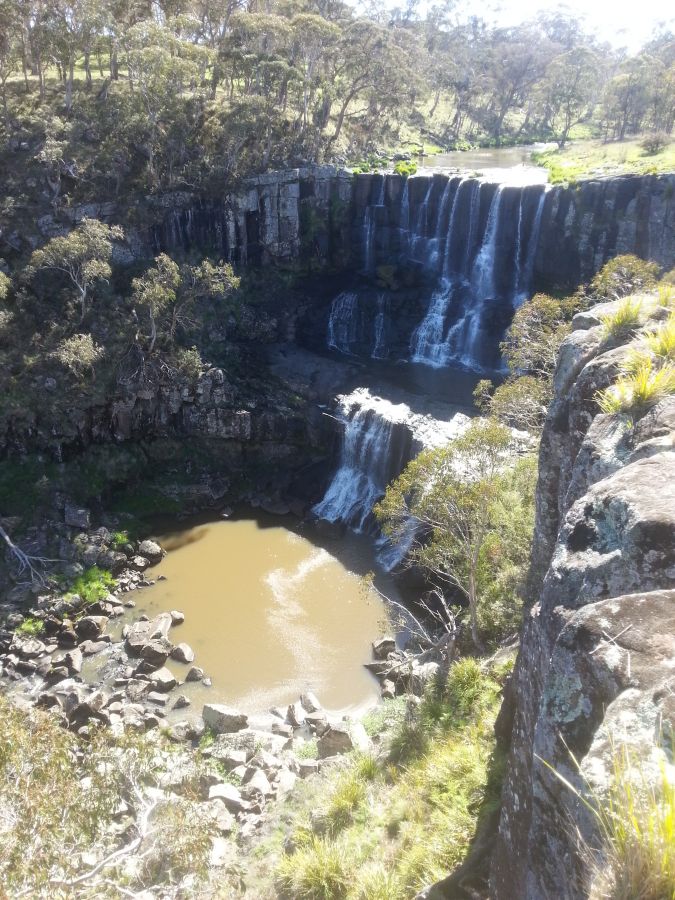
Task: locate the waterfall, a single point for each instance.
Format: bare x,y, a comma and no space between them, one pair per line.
525,272
370,457
462,343
420,228
427,344
343,322
369,226
379,439
404,217
380,342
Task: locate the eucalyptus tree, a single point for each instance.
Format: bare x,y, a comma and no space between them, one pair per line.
83,256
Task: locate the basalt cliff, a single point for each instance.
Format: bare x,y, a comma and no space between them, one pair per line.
595,668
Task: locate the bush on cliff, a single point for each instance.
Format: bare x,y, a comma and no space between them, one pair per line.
473,507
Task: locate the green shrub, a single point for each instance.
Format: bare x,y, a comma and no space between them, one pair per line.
405,168
120,539
307,750
93,585
654,143
31,627
621,276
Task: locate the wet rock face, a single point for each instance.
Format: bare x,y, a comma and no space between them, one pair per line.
595,666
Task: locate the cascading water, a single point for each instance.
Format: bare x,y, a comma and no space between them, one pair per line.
369,224
380,329
456,326
524,272
343,322
368,460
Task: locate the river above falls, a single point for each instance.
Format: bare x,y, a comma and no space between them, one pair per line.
509,165
271,611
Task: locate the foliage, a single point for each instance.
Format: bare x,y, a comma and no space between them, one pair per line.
638,390
31,627
654,143
635,816
405,168
622,276
519,402
120,539
405,819
455,493
83,256
5,285
534,336
319,871
61,799
661,340
93,584
78,353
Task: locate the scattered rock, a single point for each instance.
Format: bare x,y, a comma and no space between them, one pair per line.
229,796
76,517
223,719
341,738
163,680
151,550
383,647
310,703
177,617
194,674
183,653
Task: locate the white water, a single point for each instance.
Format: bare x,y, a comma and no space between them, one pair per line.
379,438
525,272
369,224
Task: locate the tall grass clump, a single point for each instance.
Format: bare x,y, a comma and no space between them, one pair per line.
321,870
661,341
638,390
394,822
623,322
636,821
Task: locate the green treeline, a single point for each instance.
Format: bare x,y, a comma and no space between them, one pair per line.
120,96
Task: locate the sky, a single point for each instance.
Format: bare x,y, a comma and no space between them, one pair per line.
624,23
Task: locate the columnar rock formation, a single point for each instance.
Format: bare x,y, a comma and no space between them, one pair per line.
596,660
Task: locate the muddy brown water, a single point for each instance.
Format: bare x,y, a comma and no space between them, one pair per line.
271,611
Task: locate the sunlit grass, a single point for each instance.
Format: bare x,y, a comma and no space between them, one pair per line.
638,390
636,820
623,321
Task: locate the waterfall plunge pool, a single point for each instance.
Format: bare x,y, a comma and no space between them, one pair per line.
272,609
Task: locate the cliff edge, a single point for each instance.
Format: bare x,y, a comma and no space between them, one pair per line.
596,666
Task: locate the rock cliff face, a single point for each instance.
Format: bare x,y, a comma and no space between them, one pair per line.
596,661
328,214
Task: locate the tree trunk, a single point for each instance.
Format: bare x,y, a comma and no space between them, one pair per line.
153,331
435,103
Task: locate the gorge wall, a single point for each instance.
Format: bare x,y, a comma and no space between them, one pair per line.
595,668
369,220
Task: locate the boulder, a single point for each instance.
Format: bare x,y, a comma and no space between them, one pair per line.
76,517
229,796
194,674
156,652
256,783
151,550
89,628
223,719
183,653
342,737
309,702
163,680
383,646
